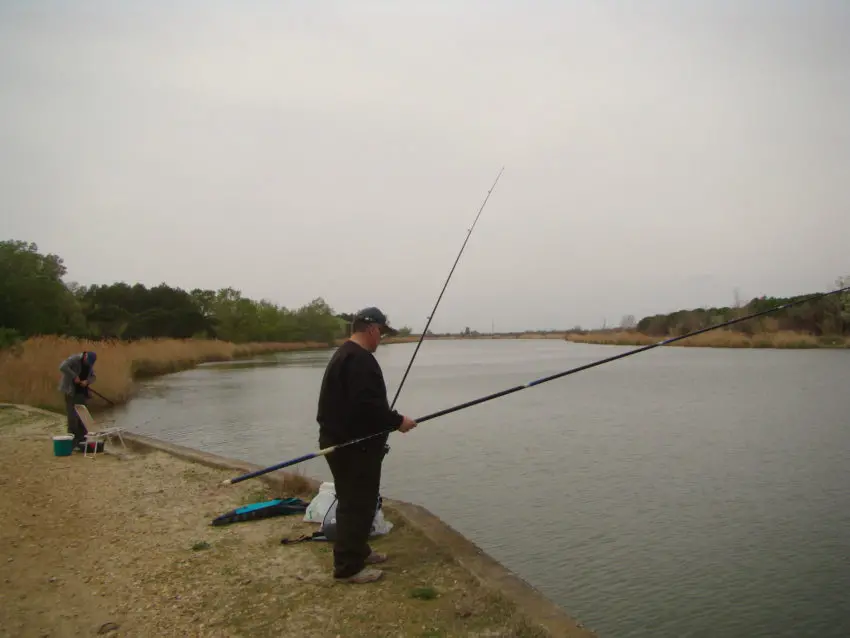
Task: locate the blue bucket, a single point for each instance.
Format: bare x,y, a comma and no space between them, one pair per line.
63,445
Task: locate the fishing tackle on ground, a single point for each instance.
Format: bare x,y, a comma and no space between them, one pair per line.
267,509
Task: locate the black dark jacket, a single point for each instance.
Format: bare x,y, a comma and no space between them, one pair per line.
353,397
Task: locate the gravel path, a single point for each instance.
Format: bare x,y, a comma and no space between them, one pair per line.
121,545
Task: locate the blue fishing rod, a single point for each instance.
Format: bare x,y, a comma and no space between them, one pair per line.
537,382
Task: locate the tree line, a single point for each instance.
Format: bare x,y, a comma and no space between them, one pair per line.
35,300
827,316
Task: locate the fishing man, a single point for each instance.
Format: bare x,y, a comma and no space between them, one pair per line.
77,373
352,404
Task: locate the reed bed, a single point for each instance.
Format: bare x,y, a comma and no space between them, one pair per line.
716,339
29,373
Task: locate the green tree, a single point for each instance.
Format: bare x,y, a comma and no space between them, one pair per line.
844,301
135,312
33,298
828,316
317,322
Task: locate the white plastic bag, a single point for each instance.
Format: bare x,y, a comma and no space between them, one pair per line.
380,525
322,509
320,504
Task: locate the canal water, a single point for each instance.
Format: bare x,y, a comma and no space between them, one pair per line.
679,492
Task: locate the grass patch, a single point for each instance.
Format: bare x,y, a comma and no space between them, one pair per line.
295,483
13,416
424,593
193,473
255,495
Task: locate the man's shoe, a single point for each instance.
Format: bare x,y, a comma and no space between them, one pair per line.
376,557
365,575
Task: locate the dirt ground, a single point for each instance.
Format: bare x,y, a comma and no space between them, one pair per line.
121,545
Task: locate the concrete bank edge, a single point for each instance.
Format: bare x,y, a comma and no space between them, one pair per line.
489,572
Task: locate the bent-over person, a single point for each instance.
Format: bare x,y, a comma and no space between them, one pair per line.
77,373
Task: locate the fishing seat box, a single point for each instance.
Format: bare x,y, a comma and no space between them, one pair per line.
93,446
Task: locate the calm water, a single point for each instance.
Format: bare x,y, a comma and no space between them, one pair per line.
679,492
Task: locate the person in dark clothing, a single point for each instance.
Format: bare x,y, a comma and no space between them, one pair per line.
77,373
352,404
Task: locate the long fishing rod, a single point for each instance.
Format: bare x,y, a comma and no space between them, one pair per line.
536,382
431,316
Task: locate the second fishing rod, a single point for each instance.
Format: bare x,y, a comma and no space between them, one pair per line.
537,382
433,312
430,317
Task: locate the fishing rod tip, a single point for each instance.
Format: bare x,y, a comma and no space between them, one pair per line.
226,482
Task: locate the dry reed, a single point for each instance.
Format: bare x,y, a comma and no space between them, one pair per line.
716,339
30,375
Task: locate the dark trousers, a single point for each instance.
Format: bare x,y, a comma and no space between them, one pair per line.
357,479
75,424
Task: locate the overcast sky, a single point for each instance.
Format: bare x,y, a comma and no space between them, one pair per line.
657,155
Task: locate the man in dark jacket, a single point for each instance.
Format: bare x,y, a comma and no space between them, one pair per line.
77,373
352,404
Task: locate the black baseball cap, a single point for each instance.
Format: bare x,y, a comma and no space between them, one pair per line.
373,315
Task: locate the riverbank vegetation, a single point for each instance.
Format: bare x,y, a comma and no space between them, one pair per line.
37,301
29,371
137,331
823,323
716,339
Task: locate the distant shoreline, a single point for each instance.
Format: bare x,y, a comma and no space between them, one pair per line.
30,375
784,340
462,337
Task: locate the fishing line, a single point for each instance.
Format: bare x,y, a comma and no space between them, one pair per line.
109,401
431,316
536,382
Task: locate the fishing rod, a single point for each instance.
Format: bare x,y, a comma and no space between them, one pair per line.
536,382
109,401
431,316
